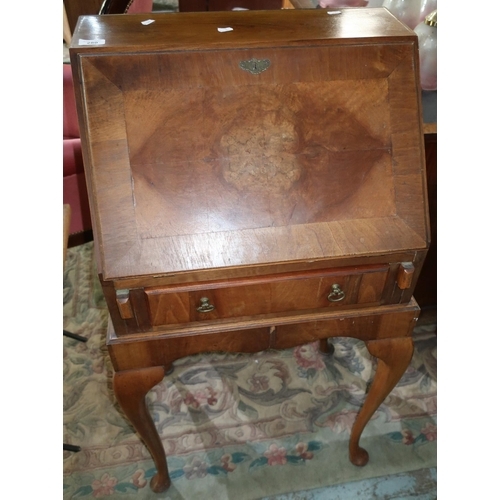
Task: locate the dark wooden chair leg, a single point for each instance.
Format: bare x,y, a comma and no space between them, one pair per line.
74,336
130,389
394,356
71,447
325,347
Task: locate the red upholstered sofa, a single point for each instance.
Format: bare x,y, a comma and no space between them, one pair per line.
74,187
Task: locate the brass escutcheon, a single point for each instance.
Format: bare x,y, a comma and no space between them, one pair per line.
255,66
205,305
337,294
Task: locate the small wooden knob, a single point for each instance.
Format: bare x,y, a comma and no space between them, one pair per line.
124,305
405,275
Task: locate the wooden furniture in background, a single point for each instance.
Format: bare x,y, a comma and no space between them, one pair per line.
303,4
66,29
219,5
252,189
73,9
426,289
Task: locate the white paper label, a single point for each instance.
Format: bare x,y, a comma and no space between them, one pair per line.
99,41
331,12
148,21
223,30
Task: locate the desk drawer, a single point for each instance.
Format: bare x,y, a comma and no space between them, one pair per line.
281,293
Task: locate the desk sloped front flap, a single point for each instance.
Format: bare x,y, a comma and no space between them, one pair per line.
247,155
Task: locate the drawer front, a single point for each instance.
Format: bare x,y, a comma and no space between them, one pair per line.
150,350
369,324
266,295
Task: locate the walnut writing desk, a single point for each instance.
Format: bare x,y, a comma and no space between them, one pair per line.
260,187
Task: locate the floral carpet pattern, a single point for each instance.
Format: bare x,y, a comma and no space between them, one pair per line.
236,426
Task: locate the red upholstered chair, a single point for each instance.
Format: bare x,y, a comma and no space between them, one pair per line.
74,187
139,6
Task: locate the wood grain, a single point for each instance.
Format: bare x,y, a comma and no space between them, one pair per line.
195,31
259,333
231,207
269,294
394,356
164,144
130,388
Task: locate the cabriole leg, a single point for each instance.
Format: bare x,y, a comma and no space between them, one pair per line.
394,356
130,389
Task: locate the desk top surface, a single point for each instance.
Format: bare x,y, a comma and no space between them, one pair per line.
200,31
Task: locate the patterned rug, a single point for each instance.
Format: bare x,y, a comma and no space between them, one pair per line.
236,426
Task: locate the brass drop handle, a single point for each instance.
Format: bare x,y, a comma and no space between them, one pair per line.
337,294
205,305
